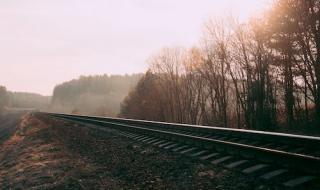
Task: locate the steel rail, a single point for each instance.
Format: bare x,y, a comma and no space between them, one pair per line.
289,139
300,162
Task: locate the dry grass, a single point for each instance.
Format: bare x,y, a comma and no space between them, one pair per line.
32,158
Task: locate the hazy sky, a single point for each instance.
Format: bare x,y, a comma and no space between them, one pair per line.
46,42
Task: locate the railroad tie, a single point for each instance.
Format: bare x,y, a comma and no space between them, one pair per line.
254,168
143,138
152,141
180,148
209,156
138,137
220,160
236,164
171,146
165,144
199,153
298,181
159,142
273,174
188,150
148,139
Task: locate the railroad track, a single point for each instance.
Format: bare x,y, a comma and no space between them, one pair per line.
293,161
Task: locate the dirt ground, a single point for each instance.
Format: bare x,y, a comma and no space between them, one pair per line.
42,153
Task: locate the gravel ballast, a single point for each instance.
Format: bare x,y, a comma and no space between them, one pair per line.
72,156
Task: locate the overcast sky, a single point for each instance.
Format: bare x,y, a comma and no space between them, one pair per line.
46,42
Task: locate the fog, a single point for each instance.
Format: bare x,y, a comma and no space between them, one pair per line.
46,42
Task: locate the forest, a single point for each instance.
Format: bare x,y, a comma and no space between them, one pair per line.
22,100
3,98
28,100
95,95
263,74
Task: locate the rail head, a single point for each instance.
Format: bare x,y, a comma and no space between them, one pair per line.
308,141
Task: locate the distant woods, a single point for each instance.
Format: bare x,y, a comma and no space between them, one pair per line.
95,95
3,98
259,75
28,100
22,100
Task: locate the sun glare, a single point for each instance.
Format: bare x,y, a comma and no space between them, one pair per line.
245,9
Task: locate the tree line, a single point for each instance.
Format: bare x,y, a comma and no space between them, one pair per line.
95,95
22,100
262,74
3,98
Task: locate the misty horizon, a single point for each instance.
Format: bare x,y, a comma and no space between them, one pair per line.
75,79
48,43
